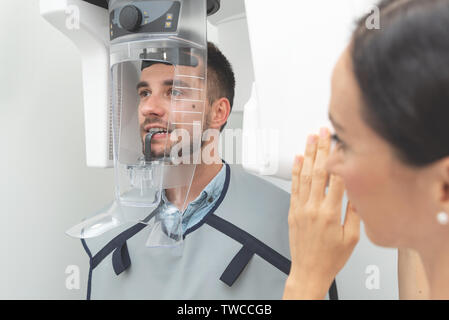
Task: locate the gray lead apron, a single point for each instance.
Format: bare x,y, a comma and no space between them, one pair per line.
239,250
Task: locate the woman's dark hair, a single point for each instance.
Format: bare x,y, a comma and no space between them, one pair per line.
403,73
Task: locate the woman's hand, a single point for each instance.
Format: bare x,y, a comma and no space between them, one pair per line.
319,244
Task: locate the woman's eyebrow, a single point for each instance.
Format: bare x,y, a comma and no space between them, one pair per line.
335,124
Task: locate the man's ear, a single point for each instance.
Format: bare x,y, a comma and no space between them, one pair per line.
219,114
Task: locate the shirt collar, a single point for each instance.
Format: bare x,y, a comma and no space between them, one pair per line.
213,189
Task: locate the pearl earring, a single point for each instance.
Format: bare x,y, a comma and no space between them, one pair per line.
443,218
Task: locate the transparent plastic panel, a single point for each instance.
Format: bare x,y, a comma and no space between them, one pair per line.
138,168
158,123
182,149
159,99
105,220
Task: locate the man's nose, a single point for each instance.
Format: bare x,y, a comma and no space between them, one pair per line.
153,106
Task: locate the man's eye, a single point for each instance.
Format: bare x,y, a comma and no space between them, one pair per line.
175,93
340,144
144,94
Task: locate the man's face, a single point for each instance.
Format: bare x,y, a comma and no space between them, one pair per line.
157,86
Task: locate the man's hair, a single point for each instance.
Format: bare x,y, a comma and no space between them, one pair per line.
220,77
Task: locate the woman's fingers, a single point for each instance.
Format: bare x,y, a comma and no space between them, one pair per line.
307,169
351,226
335,193
296,171
320,174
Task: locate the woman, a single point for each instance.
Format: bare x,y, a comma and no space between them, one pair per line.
390,110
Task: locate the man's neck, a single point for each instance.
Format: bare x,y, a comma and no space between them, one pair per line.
204,174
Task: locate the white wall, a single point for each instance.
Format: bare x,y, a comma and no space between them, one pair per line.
45,185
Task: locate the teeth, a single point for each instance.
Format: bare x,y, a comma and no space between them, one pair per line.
154,130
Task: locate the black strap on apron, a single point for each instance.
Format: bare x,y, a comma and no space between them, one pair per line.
236,266
251,246
120,258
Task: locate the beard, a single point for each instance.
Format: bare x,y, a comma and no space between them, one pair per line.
188,149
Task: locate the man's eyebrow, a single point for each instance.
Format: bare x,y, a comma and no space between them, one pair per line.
336,125
141,84
168,82
176,83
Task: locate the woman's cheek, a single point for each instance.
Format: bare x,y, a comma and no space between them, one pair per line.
360,183
357,175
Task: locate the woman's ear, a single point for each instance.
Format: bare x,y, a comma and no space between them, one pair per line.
444,189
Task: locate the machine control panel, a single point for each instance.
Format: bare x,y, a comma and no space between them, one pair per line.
145,17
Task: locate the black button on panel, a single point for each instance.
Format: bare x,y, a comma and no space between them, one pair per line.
145,17
130,18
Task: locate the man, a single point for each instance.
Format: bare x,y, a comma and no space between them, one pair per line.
234,224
